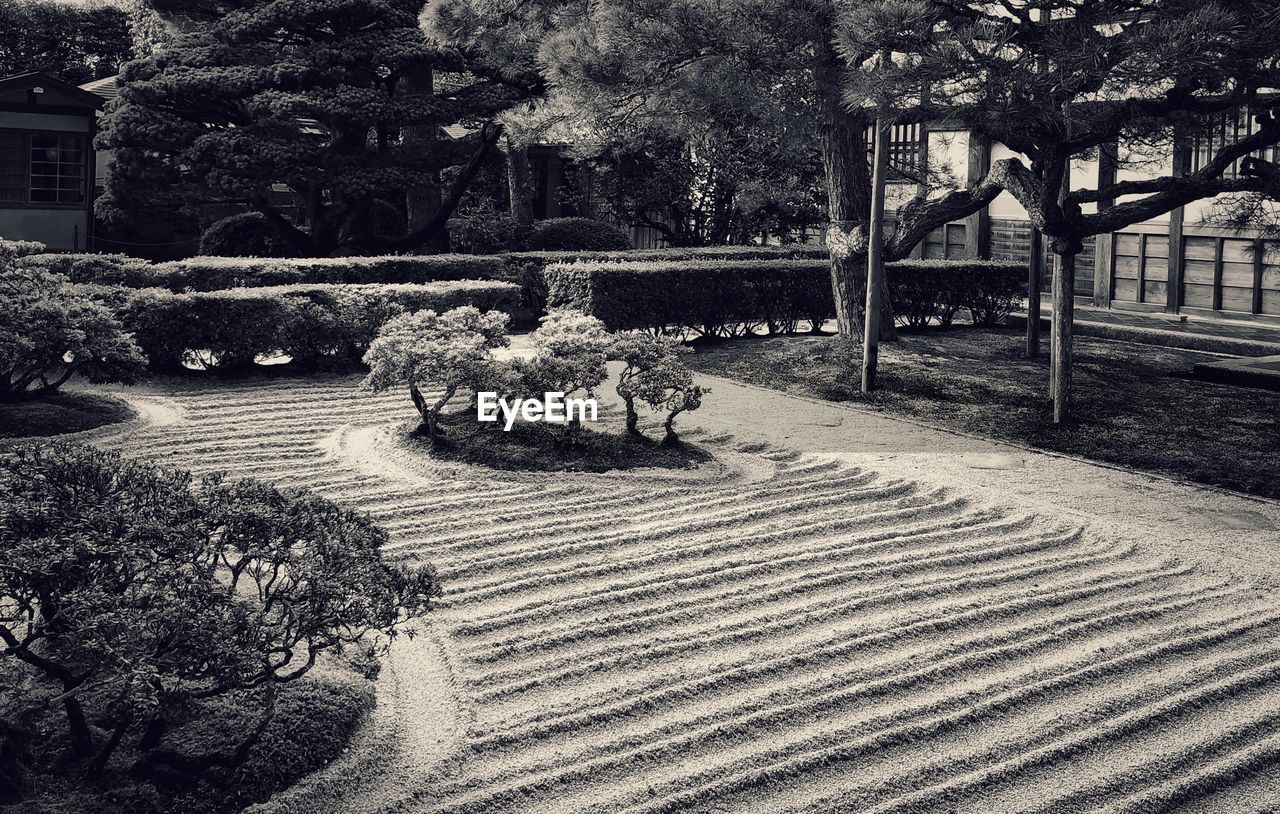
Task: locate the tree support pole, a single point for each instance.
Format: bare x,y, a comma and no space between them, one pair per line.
1063,313
1035,282
875,259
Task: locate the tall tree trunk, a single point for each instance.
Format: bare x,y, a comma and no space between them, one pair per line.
519,182
843,143
423,201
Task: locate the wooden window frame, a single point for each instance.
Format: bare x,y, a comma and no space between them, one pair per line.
86,166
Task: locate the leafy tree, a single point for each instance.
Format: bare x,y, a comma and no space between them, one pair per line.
654,374
1128,82
342,103
50,330
448,352
75,43
129,594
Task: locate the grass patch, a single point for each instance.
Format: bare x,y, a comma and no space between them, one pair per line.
535,447
61,413
1134,405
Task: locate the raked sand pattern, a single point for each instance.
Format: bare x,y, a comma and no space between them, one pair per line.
773,633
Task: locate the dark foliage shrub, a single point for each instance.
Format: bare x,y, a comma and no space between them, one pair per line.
732,297
577,234
314,721
51,330
710,297
486,231
927,290
147,596
526,268
247,234
319,324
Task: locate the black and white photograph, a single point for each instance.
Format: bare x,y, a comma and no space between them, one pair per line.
639,406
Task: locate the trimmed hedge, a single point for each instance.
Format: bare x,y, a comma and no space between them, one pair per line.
523,268
216,273
318,325
98,269
712,297
526,268
925,290
733,298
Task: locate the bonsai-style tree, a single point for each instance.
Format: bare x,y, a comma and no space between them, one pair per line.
50,330
570,356
442,352
654,374
128,594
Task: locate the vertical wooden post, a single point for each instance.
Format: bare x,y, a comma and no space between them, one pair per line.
1035,282
875,265
1259,256
1181,163
977,227
1219,249
1104,268
1064,283
1063,312
922,186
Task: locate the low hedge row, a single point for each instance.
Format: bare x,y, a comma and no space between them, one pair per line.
321,325
216,273
524,268
732,298
927,290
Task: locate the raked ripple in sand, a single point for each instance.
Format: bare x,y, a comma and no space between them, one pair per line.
778,633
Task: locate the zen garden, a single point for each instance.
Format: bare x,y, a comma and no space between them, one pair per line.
639,406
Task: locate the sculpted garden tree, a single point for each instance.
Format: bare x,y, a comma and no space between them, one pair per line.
341,104
131,597
1130,82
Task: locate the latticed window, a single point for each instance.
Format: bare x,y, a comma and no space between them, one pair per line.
1224,129
43,168
58,168
904,150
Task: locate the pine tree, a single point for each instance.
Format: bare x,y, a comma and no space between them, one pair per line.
327,116
1130,83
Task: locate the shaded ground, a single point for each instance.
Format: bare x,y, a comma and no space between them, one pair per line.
1135,405
63,413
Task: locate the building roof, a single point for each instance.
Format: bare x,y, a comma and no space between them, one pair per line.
107,88
43,83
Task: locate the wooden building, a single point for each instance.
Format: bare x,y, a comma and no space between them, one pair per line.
1178,264
47,161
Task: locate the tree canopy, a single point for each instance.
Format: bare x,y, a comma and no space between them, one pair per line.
323,116
74,43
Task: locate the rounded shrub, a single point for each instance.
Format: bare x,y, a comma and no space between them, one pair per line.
577,234
486,232
248,234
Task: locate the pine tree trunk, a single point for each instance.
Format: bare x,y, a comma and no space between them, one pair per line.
843,143
520,183
422,202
